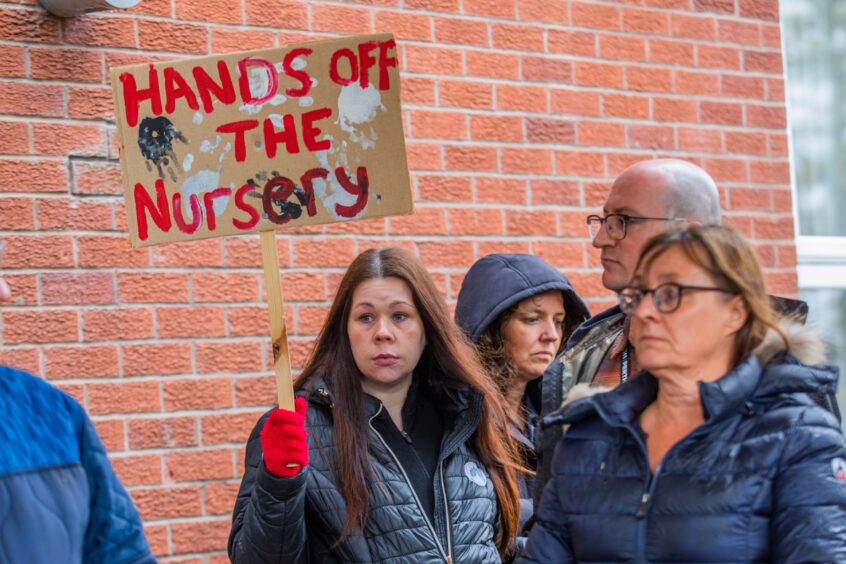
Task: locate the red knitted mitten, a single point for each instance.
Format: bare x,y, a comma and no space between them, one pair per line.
283,441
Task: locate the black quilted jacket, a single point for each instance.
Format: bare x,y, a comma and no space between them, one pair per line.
298,520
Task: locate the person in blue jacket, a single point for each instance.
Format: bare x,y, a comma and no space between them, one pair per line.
518,311
60,500
715,451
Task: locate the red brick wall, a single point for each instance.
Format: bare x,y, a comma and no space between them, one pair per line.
518,113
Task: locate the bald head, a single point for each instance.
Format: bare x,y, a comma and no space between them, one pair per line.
684,189
652,193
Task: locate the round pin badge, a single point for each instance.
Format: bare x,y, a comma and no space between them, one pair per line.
475,474
838,468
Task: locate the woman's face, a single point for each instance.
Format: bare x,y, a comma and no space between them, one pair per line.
533,333
697,339
386,333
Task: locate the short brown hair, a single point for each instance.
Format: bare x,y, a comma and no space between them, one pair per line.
731,261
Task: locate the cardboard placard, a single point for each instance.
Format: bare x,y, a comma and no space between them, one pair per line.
255,141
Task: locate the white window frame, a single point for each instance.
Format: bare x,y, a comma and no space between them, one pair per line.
821,261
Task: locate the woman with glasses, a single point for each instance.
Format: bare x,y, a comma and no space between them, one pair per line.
715,452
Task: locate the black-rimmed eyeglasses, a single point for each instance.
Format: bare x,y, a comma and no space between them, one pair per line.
616,223
666,297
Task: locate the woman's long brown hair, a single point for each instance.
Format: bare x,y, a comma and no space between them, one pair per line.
450,361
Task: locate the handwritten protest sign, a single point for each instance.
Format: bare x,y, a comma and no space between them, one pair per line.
254,141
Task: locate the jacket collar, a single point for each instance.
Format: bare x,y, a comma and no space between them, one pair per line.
624,404
461,405
595,329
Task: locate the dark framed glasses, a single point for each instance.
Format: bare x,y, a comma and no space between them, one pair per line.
666,297
616,223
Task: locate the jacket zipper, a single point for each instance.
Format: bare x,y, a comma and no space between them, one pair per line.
649,488
448,519
446,556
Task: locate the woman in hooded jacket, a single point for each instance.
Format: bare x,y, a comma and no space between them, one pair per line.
397,451
518,311
715,451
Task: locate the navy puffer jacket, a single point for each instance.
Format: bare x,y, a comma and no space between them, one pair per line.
762,480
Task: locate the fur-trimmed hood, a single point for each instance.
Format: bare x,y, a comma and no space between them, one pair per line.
803,342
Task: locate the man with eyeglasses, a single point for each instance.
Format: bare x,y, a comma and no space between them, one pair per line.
647,198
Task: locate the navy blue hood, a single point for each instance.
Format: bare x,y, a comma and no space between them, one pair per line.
497,282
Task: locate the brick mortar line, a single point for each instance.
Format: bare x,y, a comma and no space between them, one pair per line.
118,233
329,270
547,84
543,27
488,143
336,3
554,56
416,237
155,416
676,97
516,19
115,233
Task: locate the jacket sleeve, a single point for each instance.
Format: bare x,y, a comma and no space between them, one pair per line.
549,539
546,437
115,534
268,523
809,522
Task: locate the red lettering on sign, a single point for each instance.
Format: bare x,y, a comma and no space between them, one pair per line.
362,62
244,79
277,190
238,128
133,96
359,190
386,61
242,205
365,62
310,132
287,135
208,200
282,201
206,86
335,74
158,211
175,87
301,75
196,217
307,180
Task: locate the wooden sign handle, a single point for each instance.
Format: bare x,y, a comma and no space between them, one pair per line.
278,334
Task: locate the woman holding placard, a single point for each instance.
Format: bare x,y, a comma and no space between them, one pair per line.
397,449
